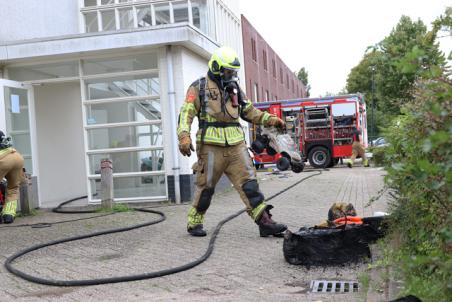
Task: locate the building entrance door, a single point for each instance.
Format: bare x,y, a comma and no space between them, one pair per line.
17,119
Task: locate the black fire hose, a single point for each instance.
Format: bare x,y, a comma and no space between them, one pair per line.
204,257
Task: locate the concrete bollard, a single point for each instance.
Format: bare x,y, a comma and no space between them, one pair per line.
25,195
106,183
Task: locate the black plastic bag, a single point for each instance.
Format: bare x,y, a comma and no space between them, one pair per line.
333,246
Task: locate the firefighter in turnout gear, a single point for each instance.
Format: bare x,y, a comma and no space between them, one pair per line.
357,149
11,168
219,103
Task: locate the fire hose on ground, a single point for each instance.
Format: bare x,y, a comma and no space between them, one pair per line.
9,261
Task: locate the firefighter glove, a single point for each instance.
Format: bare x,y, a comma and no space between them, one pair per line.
185,145
276,122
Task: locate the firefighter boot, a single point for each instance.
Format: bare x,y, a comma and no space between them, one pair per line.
268,227
9,211
366,163
195,220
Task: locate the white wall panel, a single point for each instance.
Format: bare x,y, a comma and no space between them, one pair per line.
29,19
60,142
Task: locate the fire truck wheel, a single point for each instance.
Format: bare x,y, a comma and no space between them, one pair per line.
319,157
283,164
297,167
258,147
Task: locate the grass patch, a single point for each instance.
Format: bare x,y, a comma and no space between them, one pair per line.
33,212
364,282
117,208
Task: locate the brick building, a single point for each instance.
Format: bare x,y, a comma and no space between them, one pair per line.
267,77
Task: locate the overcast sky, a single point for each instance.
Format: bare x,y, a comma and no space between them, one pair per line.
329,37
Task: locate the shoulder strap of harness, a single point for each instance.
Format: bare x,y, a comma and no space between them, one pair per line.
202,115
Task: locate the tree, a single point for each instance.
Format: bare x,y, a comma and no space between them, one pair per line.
302,75
394,64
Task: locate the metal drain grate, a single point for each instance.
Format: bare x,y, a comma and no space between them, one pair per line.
328,286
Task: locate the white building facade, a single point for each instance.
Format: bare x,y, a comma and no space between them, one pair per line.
82,80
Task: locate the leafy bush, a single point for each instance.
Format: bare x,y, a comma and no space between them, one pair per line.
419,165
378,155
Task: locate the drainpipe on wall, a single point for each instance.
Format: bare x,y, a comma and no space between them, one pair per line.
172,108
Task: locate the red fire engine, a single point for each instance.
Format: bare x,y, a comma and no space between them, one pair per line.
321,127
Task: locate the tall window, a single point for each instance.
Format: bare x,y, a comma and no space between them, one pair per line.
105,15
281,76
123,122
264,59
256,92
287,81
274,68
267,95
253,49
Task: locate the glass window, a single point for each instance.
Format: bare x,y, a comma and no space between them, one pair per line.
130,187
344,109
16,105
180,10
120,64
125,136
91,24
125,162
162,13
144,16
199,11
122,112
90,3
126,18
22,142
108,19
106,2
122,86
274,68
256,93
44,71
253,49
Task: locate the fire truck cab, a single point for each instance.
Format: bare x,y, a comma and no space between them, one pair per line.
321,127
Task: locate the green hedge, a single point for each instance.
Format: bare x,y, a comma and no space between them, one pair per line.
418,160
378,156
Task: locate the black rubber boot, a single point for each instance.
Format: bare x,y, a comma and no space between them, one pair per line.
197,231
349,164
268,227
8,218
